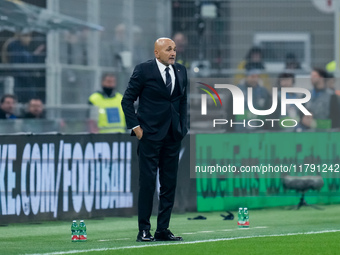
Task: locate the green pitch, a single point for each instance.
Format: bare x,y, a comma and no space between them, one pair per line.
272,231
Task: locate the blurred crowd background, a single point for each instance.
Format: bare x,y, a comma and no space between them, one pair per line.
56,53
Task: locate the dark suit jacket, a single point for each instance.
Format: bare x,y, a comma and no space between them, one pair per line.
157,110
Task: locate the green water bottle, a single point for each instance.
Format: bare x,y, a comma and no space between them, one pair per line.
82,231
246,217
240,221
74,231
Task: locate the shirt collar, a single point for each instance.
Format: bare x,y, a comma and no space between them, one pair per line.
162,67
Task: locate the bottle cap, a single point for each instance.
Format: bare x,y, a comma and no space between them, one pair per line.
74,221
82,221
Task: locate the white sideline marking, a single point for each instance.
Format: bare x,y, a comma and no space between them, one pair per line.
119,239
182,243
234,229
211,231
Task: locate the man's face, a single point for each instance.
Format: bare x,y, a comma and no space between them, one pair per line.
36,107
8,105
256,57
252,79
26,39
109,82
181,42
317,80
166,52
286,82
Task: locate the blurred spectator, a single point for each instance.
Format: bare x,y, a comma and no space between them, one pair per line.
291,62
331,68
286,80
74,52
253,60
181,42
261,101
323,104
111,117
35,109
254,56
20,50
7,107
330,83
124,58
75,47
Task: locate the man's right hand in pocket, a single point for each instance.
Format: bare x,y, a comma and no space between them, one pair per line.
139,132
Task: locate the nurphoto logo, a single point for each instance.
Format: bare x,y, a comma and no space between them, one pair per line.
239,104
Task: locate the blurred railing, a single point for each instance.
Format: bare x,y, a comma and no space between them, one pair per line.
59,119
47,126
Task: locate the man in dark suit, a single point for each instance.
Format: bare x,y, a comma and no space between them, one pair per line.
159,124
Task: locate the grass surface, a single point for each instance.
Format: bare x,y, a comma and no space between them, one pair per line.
120,234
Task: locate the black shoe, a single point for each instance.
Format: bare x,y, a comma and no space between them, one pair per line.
145,236
166,235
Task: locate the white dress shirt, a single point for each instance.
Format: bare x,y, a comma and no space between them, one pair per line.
161,68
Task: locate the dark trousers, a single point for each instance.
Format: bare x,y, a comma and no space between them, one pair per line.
152,155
